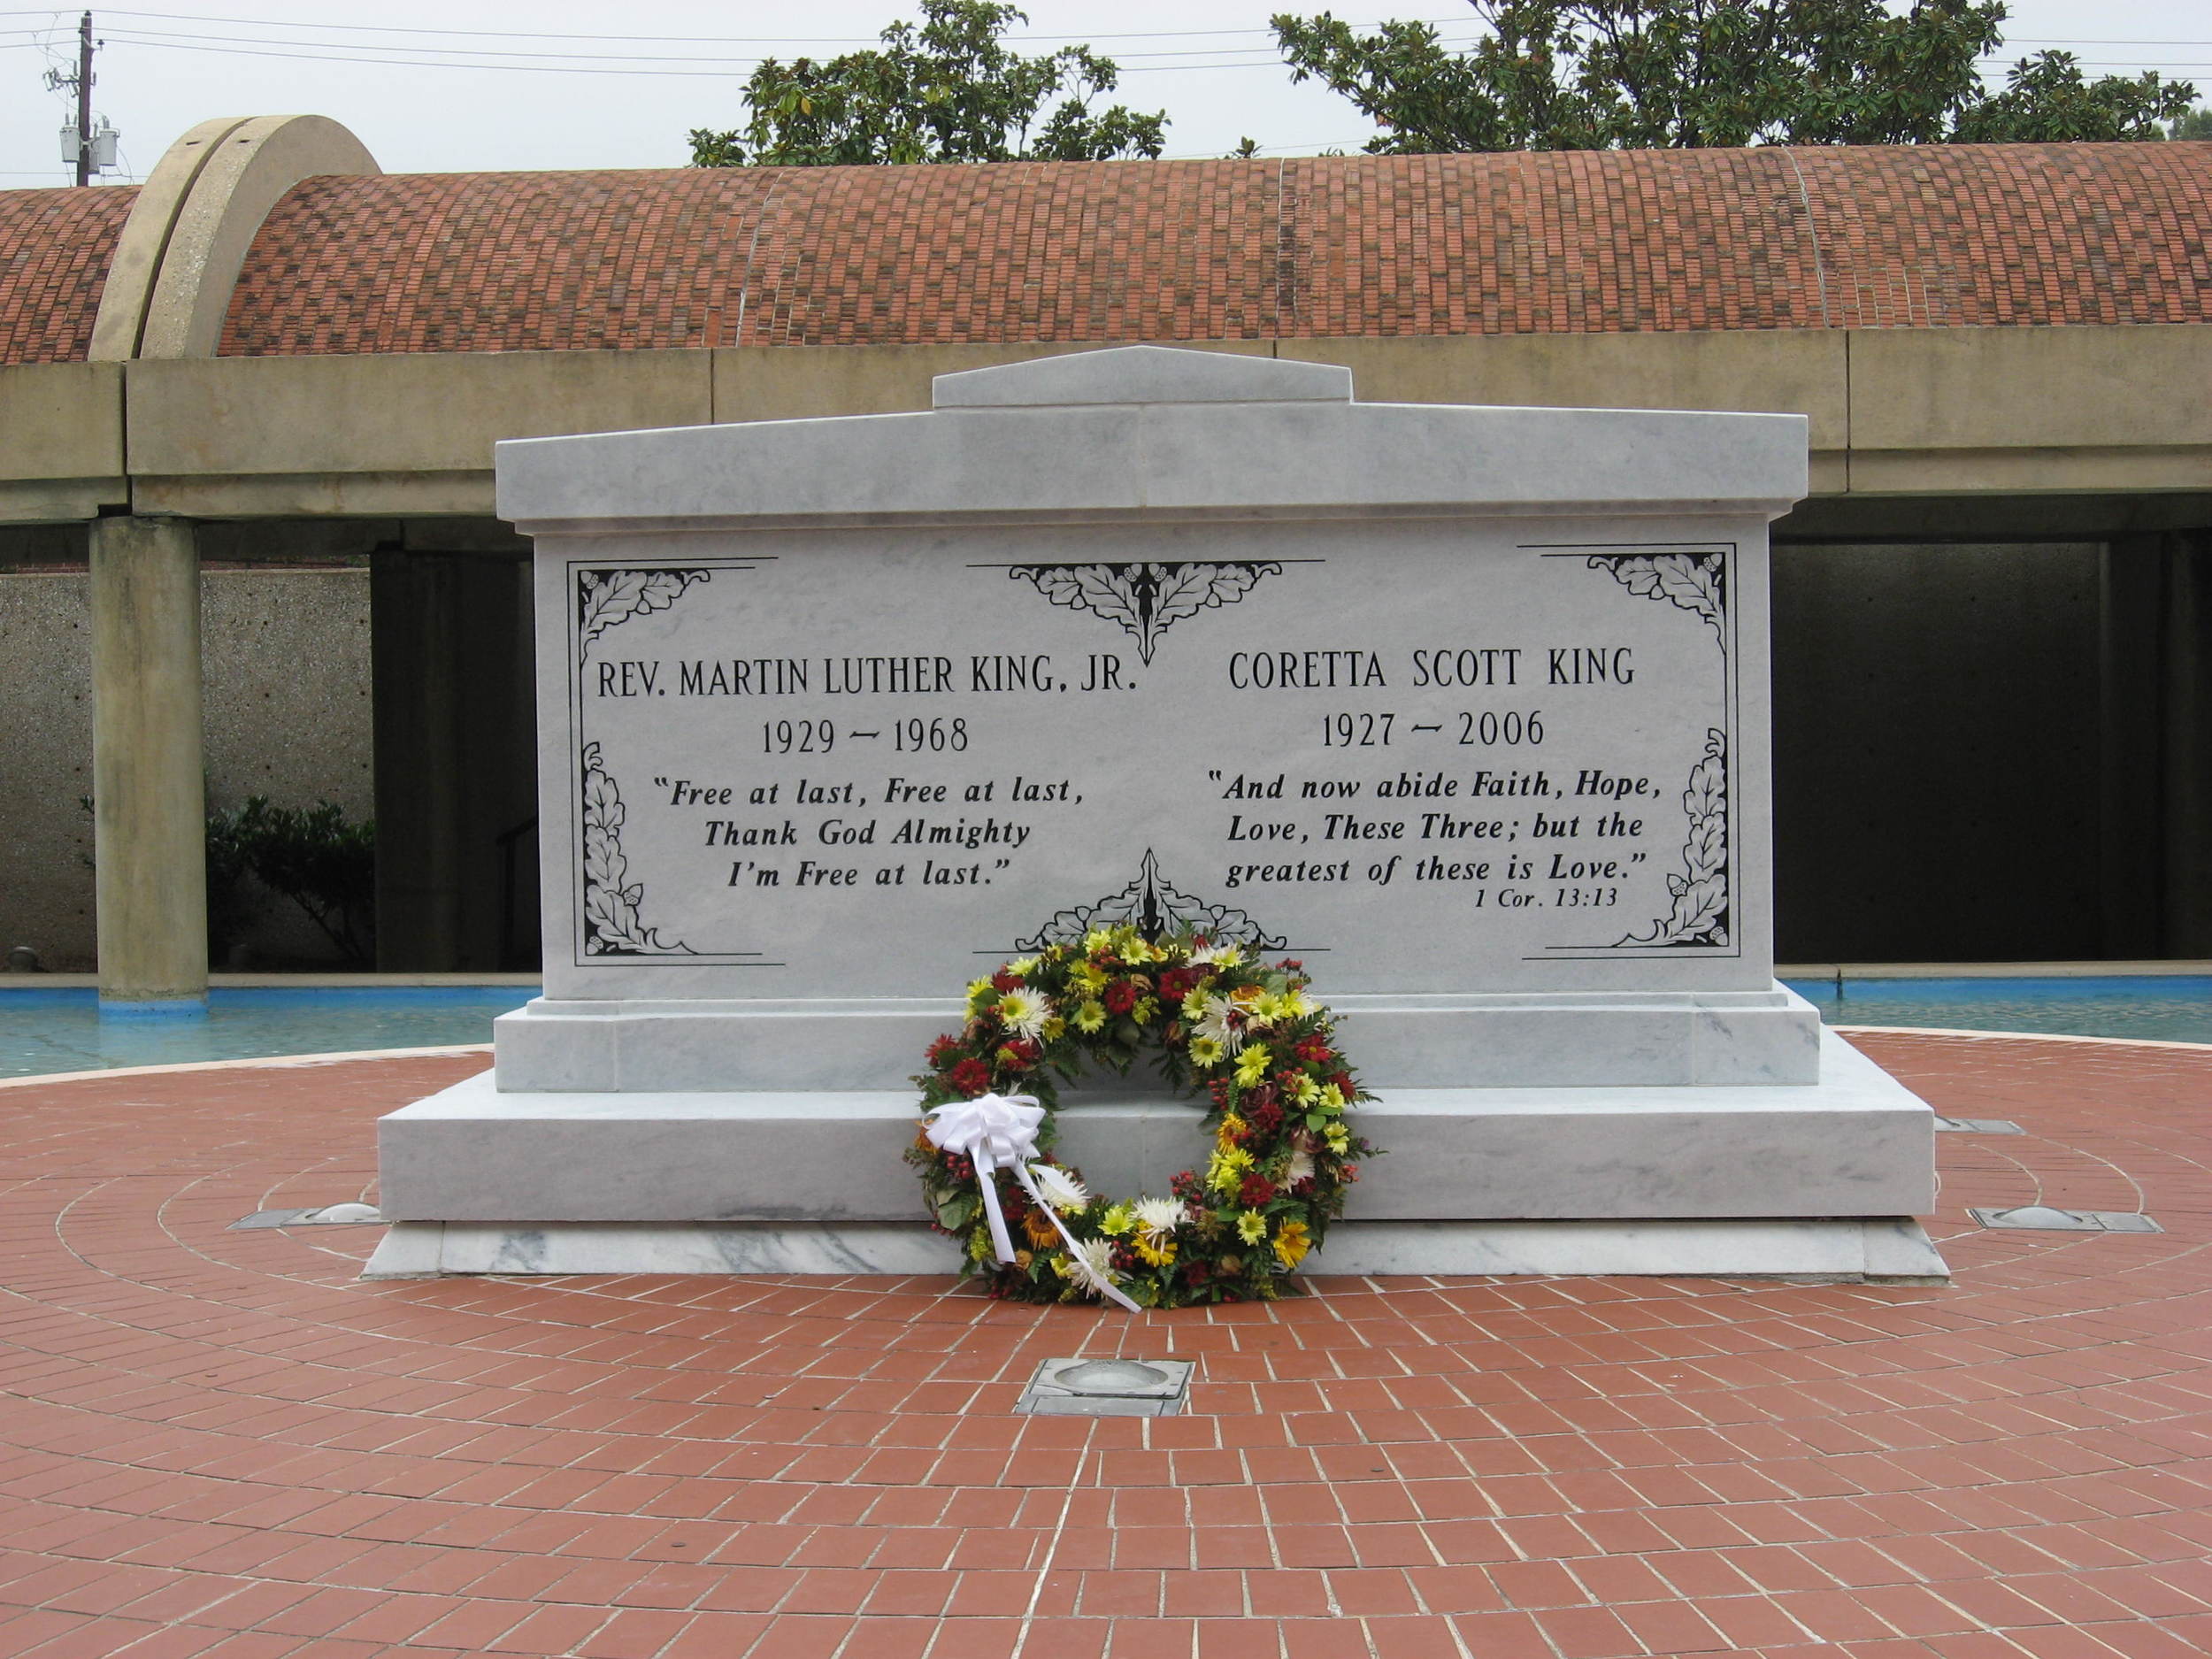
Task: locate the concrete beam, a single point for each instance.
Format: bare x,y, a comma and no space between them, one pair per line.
2082,390
1921,411
150,819
406,435
61,442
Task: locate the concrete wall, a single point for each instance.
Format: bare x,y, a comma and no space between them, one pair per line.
285,687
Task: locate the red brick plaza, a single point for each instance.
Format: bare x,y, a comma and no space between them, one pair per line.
215,1442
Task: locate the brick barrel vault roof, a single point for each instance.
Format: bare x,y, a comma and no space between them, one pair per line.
1574,242
55,246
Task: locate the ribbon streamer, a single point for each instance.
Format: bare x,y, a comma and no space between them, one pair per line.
999,1132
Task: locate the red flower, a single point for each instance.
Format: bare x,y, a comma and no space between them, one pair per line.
1121,996
1266,1119
1257,1190
1343,1080
1021,1052
971,1078
943,1049
1176,984
1004,981
1195,1272
1314,1051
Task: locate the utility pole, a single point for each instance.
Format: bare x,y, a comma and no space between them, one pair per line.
87,161
84,99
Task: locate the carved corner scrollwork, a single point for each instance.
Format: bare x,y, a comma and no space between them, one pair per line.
1155,907
1145,598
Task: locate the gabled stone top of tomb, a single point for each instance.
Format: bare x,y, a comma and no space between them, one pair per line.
1143,374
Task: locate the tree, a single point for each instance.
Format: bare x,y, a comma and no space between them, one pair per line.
2196,124
1594,74
948,92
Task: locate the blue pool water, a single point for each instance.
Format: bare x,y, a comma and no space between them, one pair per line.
43,1031
2167,1008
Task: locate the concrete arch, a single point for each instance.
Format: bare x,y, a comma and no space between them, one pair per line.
170,284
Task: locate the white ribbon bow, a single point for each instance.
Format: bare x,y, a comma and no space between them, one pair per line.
999,1132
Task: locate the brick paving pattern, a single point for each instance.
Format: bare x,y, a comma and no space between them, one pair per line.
222,1443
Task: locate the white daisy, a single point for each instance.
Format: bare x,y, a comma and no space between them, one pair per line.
1301,1167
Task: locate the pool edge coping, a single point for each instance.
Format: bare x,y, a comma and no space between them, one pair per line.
456,1050
337,1057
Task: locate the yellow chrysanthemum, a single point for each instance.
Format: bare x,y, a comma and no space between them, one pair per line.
1304,1090
1156,1254
1232,1127
1291,1243
1088,977
1252,1065
1251,1226
1226,1172
1055,1028
1337,1136
1090,1018
1116,1221
978,990
1097,940
1022,965
1332,1098
1204,1052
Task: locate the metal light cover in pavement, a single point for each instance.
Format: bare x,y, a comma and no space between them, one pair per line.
1106,1388
2044,1219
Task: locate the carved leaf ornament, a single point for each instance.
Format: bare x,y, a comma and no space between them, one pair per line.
1278,1097
1153,906
612,925
1145,598
606,598
1700,916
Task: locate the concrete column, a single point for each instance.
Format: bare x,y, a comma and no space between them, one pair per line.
150,816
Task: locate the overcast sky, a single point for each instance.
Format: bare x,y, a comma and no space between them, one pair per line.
429,102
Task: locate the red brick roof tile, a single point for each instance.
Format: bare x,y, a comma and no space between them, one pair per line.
54,250
1586,242
1573,241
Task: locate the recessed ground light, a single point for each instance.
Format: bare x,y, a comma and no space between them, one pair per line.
1981,1125
1106,1388
323,1216
2044,1219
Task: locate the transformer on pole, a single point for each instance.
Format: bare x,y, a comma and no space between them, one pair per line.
90,149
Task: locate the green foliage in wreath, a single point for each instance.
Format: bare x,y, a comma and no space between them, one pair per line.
1277,1089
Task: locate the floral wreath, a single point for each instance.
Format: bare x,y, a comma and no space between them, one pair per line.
1278,1093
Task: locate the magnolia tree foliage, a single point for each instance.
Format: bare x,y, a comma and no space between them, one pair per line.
948,91
1594,74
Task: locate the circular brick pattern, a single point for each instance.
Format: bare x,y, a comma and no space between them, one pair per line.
223,1442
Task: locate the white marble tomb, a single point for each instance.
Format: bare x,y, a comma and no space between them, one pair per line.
1464,707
